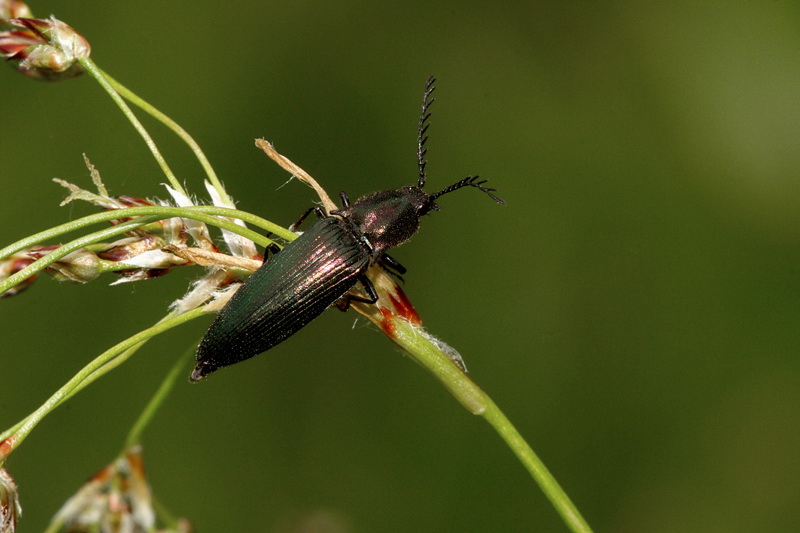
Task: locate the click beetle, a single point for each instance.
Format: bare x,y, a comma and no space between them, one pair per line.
317,269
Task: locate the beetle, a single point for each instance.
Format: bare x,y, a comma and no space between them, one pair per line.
318,269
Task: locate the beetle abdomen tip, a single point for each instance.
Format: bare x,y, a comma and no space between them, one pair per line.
200,371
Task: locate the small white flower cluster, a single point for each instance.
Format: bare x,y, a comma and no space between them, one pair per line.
10,509
148,251
46,49
117,498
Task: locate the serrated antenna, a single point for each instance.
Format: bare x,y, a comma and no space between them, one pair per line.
470,181
422,136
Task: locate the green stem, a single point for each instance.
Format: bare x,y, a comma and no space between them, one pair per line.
154,403
91,238
112,364
563,505
193,212
12,440
176,128
478,402
109,366
56,525
97,74
45,261
106,368
163,514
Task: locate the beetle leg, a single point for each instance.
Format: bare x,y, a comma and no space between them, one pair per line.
392,265
343,303
271,249
369,289
345,204
317,211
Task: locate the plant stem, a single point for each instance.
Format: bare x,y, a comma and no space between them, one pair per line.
11,441
55,525
68,248
564,506
422,350
426,353
161,212
176,128
97,74
112,364
154,403
107,367
91,238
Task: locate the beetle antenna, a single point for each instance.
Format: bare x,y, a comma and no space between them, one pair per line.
470,181
424,122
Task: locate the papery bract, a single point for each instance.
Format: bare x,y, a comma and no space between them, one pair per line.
115,500
12,9
45,49
10,509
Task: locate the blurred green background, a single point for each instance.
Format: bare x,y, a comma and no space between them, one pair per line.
634,309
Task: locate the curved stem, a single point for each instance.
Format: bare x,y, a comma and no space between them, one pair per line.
176,128
66,249
97,74
55,525
161,212
107,367
101,371
423,351
152,406
47,260
9,441
563,505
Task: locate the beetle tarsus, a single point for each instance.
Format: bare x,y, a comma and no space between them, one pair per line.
293,227
343,303
271,249
392,266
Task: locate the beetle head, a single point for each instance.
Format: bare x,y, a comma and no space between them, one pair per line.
389,218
